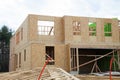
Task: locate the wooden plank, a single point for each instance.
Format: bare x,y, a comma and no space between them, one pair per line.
114,61
94,55
95,59
77,59
118,53
50,30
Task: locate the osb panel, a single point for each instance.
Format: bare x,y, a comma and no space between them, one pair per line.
92,19
59,30
84,30
17,48
33,32
61,57
92,39
100,30
26,64
12,48
46,18
68,29
25,31
63,33
23,26
108,39
37,55
76,18
115,31
47,39
106,20
84,37
77,38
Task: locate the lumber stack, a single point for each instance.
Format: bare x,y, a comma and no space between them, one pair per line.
50,73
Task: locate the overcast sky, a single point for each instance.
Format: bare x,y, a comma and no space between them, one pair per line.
13,12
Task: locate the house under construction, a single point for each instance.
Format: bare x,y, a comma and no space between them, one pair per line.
76,44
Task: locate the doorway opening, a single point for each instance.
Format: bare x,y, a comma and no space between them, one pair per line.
50,53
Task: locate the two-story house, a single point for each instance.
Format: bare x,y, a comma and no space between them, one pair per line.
71,41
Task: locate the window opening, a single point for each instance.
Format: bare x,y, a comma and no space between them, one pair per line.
107,29
45,27
92,28
25,55
50,52
16,60
19,59
76,28
21,33
17,37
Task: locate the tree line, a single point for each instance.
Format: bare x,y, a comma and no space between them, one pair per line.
5,35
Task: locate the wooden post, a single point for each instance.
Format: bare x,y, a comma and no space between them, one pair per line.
118,53
50,30
73,57
77,55
70,53
114,60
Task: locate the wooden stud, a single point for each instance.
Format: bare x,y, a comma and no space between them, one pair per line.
77,59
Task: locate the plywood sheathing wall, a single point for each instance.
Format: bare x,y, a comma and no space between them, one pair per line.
32,27
62,57
17,48
115,31
37,55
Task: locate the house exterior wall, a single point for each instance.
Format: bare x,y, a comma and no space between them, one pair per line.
12,56
37,55
62,57
62,40
33,29
86,41
19,47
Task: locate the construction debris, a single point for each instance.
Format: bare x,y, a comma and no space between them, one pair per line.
107,74
50,73
94,77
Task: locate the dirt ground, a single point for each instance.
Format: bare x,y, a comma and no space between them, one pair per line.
51,73
92,77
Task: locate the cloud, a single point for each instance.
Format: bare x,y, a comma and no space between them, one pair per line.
56,7
13,12
106,8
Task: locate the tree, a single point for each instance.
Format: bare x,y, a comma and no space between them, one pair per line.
5,35
107,28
